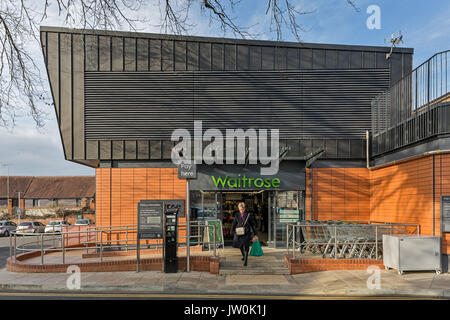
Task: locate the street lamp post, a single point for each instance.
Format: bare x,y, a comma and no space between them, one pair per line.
19,211
7,183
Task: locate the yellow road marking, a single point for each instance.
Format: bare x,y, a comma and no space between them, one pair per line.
207,296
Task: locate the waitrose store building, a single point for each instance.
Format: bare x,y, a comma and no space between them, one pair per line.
119,96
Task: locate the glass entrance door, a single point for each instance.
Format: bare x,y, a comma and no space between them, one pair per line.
287,208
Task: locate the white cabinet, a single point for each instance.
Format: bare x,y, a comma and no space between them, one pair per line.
412,252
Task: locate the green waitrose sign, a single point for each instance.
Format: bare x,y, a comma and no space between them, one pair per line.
244,182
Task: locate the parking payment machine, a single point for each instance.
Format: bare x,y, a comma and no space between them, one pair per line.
170,240
172,210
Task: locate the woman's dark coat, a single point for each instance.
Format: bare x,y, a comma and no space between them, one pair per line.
239,241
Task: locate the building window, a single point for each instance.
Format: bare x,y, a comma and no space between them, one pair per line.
45,203
3,202
67,202
29,203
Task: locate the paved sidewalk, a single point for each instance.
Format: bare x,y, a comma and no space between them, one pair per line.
326,283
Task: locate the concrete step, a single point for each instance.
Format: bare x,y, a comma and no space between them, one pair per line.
251,270
252,264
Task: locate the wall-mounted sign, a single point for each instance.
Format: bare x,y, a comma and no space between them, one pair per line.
291,176
150,219
243,182
445,213
289,215
187,170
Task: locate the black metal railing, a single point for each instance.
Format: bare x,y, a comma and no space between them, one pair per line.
414,107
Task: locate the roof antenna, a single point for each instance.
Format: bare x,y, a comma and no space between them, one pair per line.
395,39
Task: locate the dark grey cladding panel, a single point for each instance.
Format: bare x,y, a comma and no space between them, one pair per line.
130,149
308,104
381,60
161,150
92,150
356,60
369,60
117,150
117,53
242,57
205,56
357,148
167,149
192,56
343,149
318,59
255,58
155,150
143,151
130,54
155,55
396,67
281,58
104,53
105,150
344,59
330,149
180,55
321,163
217,56
331,59
91,52
142,54
291,175
306,58
230,57
78,98
167,52
65,83
293,59
268,58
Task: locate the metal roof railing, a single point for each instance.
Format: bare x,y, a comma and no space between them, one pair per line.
413,95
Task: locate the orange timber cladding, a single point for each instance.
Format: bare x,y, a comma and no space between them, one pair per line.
401,193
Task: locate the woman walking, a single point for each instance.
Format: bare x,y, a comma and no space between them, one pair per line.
243,225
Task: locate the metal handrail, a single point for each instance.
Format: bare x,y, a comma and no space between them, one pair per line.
415,92
92,238
335,237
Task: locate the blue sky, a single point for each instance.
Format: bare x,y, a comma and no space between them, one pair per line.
425,26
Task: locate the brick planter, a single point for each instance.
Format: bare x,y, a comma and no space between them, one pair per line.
305,265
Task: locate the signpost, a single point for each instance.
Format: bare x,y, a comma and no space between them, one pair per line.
187,170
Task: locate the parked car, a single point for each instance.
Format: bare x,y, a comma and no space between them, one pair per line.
6,227
30,227
83,222
56,226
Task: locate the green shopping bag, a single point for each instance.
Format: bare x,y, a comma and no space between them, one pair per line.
256,250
